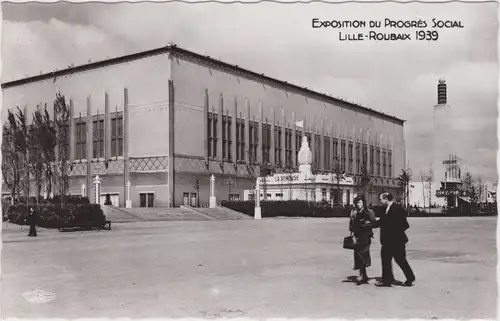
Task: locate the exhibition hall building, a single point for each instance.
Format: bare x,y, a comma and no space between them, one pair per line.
155,126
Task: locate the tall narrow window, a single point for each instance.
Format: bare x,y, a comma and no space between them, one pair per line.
390,163
298,143
229,138
326,154
117,135
335,150
98,138
384,163
215,121
358,158
240,139
224,137
253,140
351,160
364,160
81,139
372,159
266,143
277,145
256,139
317,151
288,147
210,137
378,161
342,155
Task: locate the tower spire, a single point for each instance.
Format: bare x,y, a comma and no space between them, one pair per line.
441,92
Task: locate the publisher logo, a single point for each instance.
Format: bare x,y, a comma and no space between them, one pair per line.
39,296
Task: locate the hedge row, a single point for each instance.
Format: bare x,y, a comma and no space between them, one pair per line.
310,209
53,216
288,208
70,199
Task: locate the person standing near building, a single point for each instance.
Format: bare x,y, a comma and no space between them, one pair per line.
393,223
32,220
358,225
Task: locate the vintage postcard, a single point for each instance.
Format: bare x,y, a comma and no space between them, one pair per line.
319,160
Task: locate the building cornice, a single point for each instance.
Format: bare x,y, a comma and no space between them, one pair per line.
211,63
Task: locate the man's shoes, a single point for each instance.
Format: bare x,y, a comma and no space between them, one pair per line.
408,282
383,284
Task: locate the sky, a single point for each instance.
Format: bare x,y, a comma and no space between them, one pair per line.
398,78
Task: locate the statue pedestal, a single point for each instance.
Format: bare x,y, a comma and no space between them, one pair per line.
257,213
128,204
213,202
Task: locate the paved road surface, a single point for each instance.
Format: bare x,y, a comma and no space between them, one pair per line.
255,269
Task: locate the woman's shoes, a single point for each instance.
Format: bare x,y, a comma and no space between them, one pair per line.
362,280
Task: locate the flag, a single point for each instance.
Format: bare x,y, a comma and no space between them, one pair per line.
299,124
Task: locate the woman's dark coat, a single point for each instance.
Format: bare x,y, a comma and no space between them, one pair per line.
363,235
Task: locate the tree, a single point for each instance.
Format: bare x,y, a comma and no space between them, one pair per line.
15,168
35,135
338,175
11,163
480,189
61,129
422,180
428,179
48,142
264,170
404,185
22,142
363,185
469,188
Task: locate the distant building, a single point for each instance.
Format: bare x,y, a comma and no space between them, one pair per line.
184,117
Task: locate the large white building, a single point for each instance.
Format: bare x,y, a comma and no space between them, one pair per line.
167,119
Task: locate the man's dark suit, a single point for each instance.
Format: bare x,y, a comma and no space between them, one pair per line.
393,240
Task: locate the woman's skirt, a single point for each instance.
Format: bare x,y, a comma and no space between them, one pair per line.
362,256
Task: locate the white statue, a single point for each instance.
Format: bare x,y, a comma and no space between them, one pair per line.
305,159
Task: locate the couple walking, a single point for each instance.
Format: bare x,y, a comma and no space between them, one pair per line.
393,223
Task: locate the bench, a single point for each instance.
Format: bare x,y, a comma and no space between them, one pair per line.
105,225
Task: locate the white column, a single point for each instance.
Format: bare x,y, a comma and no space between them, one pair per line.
128,201
258,212
212,200
83,190
97,189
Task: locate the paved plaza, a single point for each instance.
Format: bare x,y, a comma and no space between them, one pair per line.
290,268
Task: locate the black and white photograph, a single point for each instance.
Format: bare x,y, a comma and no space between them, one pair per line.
249,160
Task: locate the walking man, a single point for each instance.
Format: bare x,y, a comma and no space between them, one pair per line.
32,220
393,223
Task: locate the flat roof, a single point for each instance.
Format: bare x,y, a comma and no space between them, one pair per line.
175,50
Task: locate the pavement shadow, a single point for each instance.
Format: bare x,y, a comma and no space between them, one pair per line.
354,279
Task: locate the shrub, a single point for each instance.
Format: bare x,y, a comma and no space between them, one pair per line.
288,208
54,216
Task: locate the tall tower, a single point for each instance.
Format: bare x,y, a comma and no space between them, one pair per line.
445,164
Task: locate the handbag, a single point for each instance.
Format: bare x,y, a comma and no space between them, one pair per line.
350,242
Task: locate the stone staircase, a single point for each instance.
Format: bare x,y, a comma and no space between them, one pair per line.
220,213
118,215
150,214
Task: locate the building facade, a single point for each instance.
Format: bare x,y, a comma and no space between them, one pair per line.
165,120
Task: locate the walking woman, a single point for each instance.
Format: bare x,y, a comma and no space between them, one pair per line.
359,225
